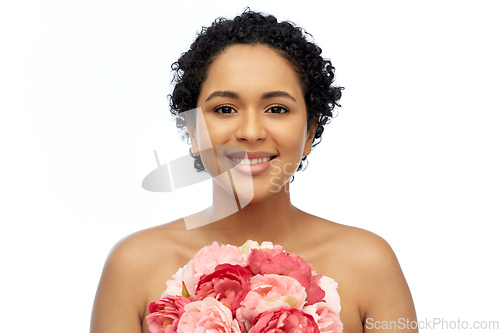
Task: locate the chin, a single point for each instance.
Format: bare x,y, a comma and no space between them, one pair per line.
251,190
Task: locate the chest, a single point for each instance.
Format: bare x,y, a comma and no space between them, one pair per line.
324,263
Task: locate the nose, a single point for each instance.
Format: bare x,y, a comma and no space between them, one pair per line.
251,127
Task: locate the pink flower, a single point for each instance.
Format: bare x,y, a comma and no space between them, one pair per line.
328,321
228,284
209,257
249,245
204,262
275,261
164,314
208,315
269,292
174,286
287,320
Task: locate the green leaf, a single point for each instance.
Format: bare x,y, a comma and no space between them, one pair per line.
185,293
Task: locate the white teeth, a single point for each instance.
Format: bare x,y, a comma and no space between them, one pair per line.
247,161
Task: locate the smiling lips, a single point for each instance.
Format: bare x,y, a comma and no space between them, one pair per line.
251,163
247,161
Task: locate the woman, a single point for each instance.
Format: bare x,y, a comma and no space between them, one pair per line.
263,94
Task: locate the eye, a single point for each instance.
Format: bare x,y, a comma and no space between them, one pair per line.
277,109
225,109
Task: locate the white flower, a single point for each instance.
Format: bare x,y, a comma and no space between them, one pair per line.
332,297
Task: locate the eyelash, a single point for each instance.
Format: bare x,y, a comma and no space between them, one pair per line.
217,109
278,107
222,107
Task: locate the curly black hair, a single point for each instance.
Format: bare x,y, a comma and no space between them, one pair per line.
316,73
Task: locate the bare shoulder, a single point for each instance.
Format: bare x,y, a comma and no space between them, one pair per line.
137,252
355,245
364,255
138,264
368,257
371,282
148,243
368,248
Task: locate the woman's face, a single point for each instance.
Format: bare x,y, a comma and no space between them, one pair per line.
252,102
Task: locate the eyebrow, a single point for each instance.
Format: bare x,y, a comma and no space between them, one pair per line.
223,93
278,93
267,95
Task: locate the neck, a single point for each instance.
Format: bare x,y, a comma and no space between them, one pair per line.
270,219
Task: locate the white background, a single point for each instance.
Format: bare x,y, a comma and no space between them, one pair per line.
412,156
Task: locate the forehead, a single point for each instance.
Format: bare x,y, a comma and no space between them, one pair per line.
247,68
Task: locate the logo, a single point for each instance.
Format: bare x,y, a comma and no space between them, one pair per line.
180,173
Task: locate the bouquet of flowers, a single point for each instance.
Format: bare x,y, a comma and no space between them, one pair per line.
251,289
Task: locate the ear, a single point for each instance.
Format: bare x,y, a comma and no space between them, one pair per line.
310,137
190,124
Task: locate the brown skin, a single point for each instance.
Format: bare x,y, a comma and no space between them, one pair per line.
371,283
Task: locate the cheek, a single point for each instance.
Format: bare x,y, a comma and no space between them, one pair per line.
218,130
211,132
291,138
